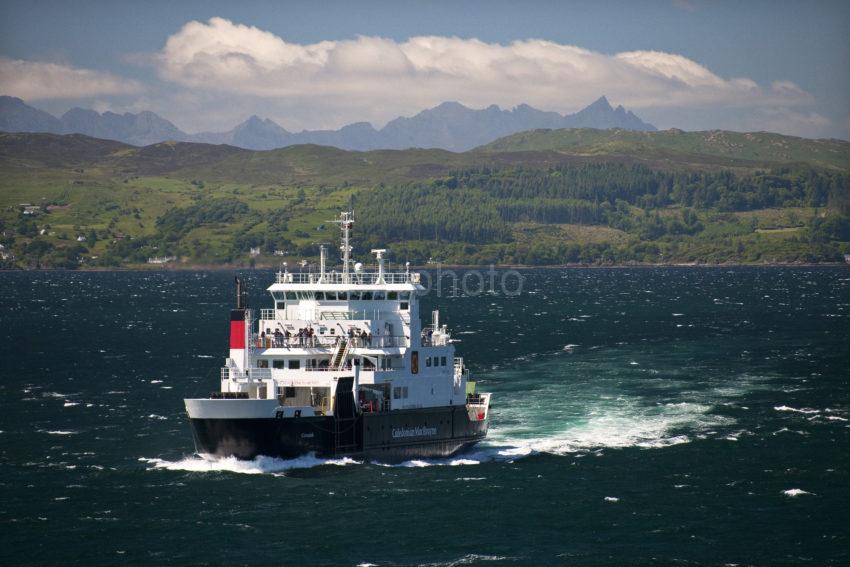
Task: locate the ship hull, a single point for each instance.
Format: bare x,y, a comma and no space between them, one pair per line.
385,436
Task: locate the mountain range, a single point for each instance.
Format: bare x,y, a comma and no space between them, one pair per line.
450,126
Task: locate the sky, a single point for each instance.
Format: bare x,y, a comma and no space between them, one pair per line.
781,66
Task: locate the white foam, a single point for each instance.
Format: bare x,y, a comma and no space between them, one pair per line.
611,499
155,416
71,404
54,395
469,559
803,410
795,492
61,432
615,427
259,465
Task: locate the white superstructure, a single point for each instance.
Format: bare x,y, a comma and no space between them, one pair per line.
327,324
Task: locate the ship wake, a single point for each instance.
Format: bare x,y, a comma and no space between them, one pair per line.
259,465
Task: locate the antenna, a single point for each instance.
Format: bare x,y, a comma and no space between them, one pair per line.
323,256
346,221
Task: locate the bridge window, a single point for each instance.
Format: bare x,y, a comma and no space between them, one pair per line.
291,296
294,364
404,295
342,296
320,295
442,361
367,295
379,296
428,361
354,295
277,364
392,295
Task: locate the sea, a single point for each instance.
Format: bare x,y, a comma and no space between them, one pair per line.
641,416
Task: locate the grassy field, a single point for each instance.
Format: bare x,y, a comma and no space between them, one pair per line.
115,196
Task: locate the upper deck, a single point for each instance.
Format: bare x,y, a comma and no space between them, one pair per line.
335,281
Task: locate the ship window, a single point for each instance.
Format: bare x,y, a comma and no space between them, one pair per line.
354,295
404,391
392,295
330,295
277,364
367,295
404,295
280,305
442,361
291,295
428,361
397,393
404,306
320,295
294,364
278,295
289,391
380,296
262,364
342,296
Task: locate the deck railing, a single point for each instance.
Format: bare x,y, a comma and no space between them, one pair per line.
251,374
327,341
356,278
328,315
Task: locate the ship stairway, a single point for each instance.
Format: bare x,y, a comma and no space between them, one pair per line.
339,355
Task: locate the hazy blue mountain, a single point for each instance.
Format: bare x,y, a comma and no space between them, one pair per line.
18,116
602,116
138,129
449,126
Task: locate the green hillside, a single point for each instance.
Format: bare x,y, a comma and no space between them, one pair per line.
543,197
679,146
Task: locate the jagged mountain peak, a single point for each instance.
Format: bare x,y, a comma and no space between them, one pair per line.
449,125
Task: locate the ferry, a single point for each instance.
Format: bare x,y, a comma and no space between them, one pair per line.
341,365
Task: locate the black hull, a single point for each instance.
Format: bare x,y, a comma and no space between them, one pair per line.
385,437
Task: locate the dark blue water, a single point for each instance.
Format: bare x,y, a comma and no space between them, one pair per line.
649,416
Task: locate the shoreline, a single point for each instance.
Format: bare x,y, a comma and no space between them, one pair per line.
432,267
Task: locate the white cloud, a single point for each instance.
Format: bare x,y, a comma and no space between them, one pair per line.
376,79
31,80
